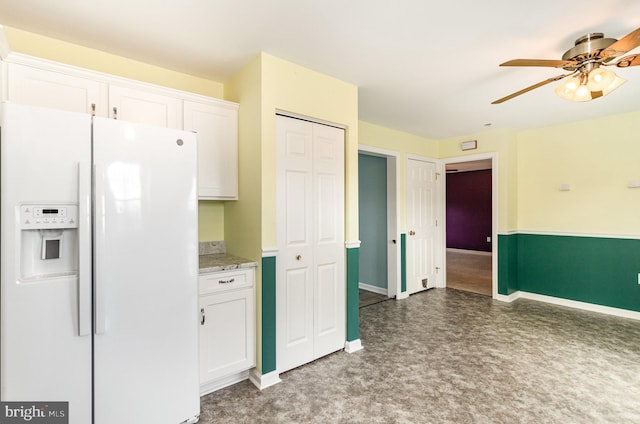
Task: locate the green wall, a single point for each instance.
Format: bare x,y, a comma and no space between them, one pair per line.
372,210
353,311
598,270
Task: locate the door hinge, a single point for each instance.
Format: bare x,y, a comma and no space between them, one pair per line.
436,222
437,175
437,269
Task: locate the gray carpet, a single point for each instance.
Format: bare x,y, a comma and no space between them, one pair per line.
447,356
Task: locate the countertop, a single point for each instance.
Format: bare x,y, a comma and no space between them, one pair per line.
223,262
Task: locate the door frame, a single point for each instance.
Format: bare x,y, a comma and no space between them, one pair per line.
393,215
494,213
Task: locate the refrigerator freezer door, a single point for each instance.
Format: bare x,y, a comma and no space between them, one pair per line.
42,356
146,265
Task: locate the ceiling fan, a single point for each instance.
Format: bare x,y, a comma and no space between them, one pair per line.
585,61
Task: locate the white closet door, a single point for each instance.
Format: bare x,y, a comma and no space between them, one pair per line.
310,279
294,264
328,177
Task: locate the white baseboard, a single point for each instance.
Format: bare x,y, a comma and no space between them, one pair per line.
507,298
262,381
353,346
402,295
571,304
223,382
374,289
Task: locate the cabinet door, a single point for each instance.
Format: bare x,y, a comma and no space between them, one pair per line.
217,128
227,334
144,107
53,89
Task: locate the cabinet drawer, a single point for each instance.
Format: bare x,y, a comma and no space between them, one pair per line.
225,280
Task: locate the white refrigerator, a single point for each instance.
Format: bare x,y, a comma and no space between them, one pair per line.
99,267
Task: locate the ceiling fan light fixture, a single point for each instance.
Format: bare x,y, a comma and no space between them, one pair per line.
589,86
567,90
600,78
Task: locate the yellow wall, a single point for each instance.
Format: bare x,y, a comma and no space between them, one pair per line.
503,143
211,214
243,222
73,54
597,158
264,86
292,88
210,219
404,144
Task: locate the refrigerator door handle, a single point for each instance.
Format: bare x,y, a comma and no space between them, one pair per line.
98,250
84,249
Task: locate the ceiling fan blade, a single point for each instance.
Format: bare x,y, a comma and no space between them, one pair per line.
533,87
539,62
622,46
625,62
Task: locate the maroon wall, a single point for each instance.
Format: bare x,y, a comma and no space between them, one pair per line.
469,210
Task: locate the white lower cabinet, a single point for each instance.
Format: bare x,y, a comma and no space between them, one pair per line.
227,328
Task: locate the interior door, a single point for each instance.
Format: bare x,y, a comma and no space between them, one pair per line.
422,224
329,249
294,263
310,287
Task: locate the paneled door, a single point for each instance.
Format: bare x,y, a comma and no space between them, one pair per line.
310,277
422,226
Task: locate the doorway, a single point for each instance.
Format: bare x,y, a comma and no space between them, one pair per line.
470,229
379,269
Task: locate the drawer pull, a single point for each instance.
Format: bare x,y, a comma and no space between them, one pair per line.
202,316
230,280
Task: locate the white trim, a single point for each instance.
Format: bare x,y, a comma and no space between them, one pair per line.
468,252
4,44
507,232
373,289
624,313
569,234
269,252
495,192
507,298
353,346
295,115
262,381
393,214
223,382
377,151
402,295
352,244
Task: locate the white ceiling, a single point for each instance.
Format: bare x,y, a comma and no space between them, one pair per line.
425,67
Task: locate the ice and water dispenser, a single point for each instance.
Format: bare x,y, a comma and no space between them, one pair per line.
49,245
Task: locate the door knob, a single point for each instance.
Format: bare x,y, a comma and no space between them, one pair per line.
412,233
298,257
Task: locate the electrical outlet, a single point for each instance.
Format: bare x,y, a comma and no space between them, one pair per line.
488,239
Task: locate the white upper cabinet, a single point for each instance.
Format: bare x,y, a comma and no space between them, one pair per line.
41,82
217,128
54,89
144,107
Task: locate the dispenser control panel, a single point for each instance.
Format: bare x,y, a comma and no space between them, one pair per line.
48,216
